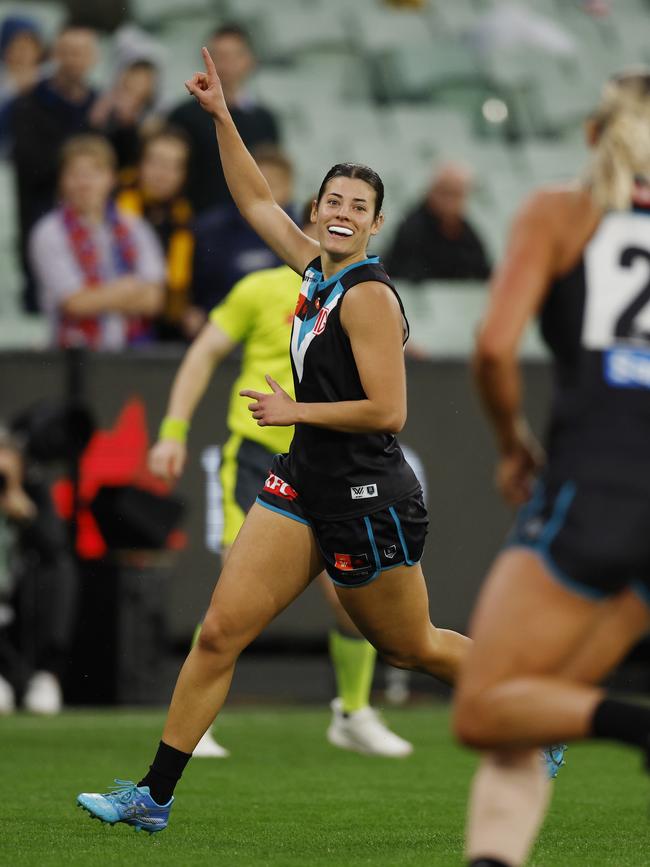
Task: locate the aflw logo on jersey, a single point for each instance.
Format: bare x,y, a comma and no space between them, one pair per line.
363,492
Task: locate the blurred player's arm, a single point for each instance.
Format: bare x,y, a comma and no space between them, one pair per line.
516,293
167,458
372,319
246,183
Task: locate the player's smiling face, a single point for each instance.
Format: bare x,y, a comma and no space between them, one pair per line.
346,218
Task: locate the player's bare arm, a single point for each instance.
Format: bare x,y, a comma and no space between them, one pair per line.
246,183
517,290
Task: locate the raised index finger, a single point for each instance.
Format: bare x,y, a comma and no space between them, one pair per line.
210,68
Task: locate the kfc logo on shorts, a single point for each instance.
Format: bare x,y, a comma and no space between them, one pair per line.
275,485
350,562
363,492
321,321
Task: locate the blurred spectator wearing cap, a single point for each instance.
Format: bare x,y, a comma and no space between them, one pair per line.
21,55
157,194
233,57
435,241
226,248
128,108
41,120
100,273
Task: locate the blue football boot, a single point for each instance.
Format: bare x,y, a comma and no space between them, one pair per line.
553,757
127,803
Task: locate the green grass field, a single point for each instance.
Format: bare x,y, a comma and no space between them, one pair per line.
285,797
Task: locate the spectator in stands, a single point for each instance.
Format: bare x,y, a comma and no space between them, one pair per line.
127,109
41,121
157,195
21,55
100,273
234,59
435,241
226,248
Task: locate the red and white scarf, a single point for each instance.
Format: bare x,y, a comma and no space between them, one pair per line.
74,331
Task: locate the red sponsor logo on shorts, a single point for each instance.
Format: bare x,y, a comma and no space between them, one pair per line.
275,485
343,562
350,562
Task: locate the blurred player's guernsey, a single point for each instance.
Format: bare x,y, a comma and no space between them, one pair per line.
258,312
600,340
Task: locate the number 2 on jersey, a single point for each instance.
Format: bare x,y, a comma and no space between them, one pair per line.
617,284
625,325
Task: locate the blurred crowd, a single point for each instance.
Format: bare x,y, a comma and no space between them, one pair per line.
127,231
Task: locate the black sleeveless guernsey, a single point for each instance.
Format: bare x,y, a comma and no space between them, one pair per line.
596,322
339,475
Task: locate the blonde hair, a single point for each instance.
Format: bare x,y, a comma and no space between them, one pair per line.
622,150
88,145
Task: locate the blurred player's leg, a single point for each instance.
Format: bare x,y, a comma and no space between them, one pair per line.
522,686
508,802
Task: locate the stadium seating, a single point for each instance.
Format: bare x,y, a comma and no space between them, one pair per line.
399,90
444,316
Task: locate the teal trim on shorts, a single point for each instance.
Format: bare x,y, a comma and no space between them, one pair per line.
639,589
542,547
558,516
400,535
372,577
373,545
375,552
283,512
570,584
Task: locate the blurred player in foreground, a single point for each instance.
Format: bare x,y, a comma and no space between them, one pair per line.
258,313
569,595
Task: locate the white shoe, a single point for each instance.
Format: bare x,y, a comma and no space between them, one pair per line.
364,732
208,748
43,695
7,698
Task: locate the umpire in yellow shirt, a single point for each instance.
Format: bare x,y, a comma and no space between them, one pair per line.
258,313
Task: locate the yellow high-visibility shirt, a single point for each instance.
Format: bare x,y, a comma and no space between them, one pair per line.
258,312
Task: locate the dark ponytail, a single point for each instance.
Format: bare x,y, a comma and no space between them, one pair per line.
356,170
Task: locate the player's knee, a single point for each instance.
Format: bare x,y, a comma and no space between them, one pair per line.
220,636
471,720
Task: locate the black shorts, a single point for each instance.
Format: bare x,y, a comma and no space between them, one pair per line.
244,466
356,550
594,537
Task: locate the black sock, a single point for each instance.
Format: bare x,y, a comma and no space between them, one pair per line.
620,721
165,771
487,862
